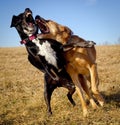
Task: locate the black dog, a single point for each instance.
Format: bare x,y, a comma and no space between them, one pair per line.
54,72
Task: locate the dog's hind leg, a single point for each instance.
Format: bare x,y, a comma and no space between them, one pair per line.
95,83
69,95
86,89
75,79
71,90
49,86
66,82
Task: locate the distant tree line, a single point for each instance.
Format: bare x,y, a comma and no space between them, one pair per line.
108,43
118,42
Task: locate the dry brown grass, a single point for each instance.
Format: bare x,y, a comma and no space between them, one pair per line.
22,100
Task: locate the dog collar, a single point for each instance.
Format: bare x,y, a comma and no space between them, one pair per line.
32,37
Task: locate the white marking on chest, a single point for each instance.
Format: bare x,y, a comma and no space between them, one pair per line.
46,50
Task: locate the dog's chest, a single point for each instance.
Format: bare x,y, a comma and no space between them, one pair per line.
46,50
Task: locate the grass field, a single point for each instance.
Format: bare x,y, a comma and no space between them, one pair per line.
22,100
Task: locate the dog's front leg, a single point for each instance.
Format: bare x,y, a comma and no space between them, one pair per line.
45,36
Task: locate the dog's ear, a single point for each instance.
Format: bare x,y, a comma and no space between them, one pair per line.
15,21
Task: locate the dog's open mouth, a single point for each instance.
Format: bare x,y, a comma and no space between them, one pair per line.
42,24
29,25
30,21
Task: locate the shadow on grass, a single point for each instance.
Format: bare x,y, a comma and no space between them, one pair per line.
7,122
112,98
4,121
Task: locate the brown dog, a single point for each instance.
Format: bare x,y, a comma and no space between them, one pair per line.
81,62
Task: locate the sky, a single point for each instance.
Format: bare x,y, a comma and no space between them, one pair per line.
97,20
